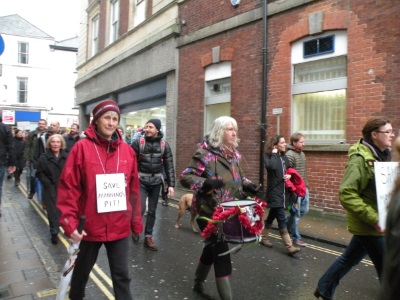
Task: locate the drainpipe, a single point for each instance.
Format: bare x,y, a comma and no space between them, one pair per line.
264,94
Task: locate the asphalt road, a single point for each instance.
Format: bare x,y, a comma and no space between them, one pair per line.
259,272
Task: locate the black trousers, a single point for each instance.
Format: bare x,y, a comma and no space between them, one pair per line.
210,255
117,253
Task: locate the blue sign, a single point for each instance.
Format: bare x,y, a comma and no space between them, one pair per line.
1,45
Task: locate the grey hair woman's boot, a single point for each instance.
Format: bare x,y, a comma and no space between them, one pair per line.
224,288
199,280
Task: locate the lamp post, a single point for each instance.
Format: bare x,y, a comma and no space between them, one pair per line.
263,93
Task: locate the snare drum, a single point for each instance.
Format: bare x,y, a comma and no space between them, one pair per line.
232,230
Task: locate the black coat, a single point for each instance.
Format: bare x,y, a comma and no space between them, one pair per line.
19,149
7,157
390,288
276,165
49,170
151,161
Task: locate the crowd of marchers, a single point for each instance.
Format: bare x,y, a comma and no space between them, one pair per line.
68,170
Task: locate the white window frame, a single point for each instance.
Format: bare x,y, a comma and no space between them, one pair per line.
95,35
339,83
217,92
23,55
114,20
22,92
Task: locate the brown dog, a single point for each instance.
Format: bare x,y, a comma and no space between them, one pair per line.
185,204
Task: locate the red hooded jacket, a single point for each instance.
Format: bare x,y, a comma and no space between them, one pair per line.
77,188
296,183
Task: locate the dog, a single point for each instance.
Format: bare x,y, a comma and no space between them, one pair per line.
185,203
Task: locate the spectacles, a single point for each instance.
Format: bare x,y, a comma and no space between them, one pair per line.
387,131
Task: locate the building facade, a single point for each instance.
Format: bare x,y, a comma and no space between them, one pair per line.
37,77
128,53
330,66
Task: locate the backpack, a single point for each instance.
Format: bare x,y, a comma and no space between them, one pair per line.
142,143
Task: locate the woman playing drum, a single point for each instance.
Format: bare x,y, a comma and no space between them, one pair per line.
213,166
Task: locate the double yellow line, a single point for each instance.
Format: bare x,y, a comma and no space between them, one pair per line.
96,273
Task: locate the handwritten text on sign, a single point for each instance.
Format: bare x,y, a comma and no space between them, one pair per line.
110,189
385,177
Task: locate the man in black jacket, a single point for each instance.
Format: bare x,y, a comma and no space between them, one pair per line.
152,153
7,158
32,153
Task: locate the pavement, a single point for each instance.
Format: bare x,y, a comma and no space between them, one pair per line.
24,271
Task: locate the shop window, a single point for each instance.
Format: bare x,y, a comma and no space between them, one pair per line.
22,90
319,93
217,93
23,53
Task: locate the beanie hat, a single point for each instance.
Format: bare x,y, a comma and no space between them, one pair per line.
103,107
156,122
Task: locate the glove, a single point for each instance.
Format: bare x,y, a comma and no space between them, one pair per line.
211,184
250,188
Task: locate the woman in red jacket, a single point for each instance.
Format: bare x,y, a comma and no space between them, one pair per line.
100,180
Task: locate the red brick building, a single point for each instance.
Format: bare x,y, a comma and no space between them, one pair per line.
331,65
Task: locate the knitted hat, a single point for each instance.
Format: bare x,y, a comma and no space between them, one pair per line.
103,107
156,122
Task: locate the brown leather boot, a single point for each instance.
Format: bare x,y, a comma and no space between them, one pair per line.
149,244
264,237
288,242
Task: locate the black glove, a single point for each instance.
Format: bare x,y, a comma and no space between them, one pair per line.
250,188
211,184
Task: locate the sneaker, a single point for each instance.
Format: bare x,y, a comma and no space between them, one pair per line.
30,196
165,203
149,244
300,243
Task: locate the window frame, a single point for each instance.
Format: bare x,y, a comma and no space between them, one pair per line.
20,92
23,54
114,20
325,85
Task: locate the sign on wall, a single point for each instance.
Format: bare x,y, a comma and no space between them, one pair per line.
386,174
8,117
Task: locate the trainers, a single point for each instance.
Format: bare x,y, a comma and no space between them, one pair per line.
300,243
30,196
149,244
165,203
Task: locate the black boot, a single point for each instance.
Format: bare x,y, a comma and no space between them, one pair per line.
199,280
224,288
54,238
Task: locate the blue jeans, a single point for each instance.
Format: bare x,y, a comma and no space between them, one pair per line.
358,248
151,193
2,175
294,218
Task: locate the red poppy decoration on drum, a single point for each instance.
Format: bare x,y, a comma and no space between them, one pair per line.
242,221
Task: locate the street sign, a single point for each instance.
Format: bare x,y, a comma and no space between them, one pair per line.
277,111
1,45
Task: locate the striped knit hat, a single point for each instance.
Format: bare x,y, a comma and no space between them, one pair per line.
103,107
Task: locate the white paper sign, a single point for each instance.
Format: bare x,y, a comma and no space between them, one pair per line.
110,189
385,177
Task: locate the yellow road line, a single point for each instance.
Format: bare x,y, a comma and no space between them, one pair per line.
96,268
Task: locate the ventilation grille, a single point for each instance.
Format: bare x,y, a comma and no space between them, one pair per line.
319,46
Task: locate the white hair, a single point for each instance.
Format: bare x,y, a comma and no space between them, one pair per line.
217,131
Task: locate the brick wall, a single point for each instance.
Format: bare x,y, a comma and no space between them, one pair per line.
373,78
